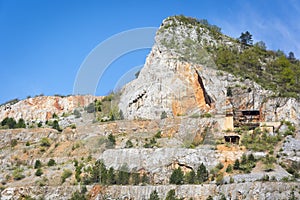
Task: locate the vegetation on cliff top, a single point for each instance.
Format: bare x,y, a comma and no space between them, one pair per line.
273,70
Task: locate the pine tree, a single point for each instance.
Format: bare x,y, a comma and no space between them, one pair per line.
21,123
99,173
154,195
112,139
123,175
111,176
236,165
177,177
202,174
246,38
244,159
135,178
251,158
171,195
190,177
229,168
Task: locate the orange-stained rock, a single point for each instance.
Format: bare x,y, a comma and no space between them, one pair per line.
41,108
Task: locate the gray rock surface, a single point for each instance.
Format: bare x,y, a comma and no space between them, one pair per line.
253,190
161,161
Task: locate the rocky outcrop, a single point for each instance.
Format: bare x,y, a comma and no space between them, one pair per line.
171,85
42,108
254,190
62,193
247,95
180,78
160,162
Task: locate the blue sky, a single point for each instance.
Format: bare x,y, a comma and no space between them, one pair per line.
44,42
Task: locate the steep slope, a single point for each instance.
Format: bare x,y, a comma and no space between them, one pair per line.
180,78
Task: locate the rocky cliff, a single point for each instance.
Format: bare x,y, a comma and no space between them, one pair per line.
180,78
42,108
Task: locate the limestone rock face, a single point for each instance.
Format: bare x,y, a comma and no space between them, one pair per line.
168,84
180,78
161,161
42,107
253,190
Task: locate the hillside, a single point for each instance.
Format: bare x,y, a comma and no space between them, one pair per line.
273,70
201,121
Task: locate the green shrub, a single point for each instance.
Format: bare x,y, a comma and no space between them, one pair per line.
176,177
171,195
223,197
18,174
72,126
13,142
152,143
163,115
128,144
39,172
154,195
40,124
260,141
66,174
265,178
206,115
209,197
219,166
112,138
27,197
236,165
51,162
158,135
55,125
219,179
268,162
37,164
229,168
54,116
45,142
109,97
